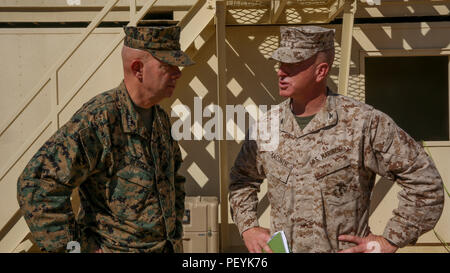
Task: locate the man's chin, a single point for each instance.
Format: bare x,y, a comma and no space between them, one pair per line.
284,93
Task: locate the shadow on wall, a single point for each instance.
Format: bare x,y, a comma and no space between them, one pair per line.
251,79
401,39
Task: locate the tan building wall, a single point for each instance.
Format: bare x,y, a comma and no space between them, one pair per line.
251,79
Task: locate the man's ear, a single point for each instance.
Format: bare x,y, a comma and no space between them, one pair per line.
322,70
137,68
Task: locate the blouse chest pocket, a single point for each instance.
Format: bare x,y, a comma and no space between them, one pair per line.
278,178
131,191
336,180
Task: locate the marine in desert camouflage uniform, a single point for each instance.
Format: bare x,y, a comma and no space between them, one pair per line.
119,151
321,175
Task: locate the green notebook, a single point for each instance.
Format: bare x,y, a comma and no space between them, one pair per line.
278,243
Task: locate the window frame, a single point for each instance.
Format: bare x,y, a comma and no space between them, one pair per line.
363,54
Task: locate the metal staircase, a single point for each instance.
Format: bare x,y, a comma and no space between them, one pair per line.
199,23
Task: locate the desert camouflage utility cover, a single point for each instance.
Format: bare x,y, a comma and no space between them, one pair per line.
300,43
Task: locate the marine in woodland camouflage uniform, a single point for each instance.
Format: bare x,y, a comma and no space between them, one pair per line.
132,199
320,178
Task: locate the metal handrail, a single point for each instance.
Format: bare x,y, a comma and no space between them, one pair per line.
95,22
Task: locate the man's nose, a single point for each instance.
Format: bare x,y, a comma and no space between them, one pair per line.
281,73
176,72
